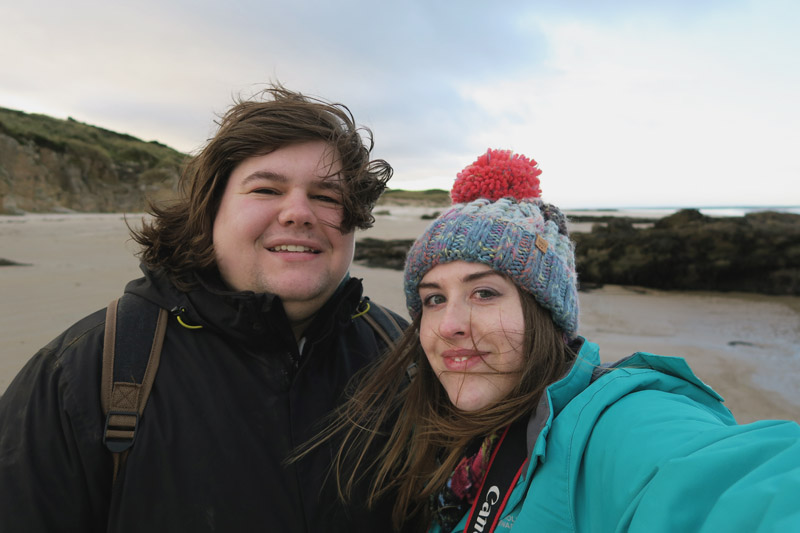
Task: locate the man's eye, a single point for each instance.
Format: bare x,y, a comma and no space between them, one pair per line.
265,191
327,199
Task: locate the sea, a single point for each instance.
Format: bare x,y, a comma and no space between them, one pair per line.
660,212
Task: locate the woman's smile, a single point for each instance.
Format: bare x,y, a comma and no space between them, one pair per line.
462,360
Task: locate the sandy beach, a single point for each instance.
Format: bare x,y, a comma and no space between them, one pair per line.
745,346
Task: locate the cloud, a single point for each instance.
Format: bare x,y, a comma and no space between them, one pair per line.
642,102
642,113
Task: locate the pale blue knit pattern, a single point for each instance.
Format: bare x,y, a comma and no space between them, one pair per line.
502,234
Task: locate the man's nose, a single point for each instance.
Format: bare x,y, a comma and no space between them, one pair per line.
296,209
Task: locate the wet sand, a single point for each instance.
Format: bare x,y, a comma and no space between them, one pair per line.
745,346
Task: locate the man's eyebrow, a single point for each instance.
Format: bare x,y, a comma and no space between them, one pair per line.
323,183
264,175
330,184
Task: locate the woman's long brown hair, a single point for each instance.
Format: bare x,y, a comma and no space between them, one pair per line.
407,437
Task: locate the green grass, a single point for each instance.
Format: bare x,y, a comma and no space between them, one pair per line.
434,197
71,136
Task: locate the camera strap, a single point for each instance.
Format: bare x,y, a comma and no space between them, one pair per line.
505,466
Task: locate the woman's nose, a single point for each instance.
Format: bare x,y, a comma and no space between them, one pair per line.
296,209
455,321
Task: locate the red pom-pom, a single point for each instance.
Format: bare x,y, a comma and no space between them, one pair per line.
497,174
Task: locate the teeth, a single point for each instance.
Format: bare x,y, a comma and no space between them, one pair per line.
460,359
292,248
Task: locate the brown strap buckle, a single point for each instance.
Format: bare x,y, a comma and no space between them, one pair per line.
120,430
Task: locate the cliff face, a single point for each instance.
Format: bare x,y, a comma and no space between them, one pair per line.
50,165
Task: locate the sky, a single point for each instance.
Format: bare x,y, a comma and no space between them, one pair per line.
623,103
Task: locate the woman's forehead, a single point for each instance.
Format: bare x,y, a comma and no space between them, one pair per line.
459,271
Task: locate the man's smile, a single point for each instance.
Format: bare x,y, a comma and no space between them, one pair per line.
292,248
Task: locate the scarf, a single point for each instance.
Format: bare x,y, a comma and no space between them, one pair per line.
450,504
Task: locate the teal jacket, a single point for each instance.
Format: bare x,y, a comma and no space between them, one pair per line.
646,446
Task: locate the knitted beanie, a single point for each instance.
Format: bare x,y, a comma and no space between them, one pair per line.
499,220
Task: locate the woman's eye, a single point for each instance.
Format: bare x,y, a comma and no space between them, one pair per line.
433,299
485,294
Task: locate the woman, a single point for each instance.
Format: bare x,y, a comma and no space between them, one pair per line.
506,419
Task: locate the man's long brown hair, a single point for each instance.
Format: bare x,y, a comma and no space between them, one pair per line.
407,438
178,239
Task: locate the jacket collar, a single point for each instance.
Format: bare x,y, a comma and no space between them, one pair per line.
244,315
559,394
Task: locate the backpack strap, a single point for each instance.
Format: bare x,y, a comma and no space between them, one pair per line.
382,321
134,335
387,325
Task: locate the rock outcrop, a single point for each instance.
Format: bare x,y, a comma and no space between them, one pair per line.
49,165
379,253
759,252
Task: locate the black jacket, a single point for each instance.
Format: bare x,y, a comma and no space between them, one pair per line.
230,401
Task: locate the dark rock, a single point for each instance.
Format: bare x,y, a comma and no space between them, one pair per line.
756,253
588,287
9,262
686,251
615,225
608,218
682,218
382,253
740,343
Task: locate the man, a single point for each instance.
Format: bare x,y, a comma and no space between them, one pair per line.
263,335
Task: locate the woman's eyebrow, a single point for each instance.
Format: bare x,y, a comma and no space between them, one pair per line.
466,279
480,275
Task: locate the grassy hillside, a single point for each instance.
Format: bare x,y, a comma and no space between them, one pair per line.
79,138
430,197
49,164
144,159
